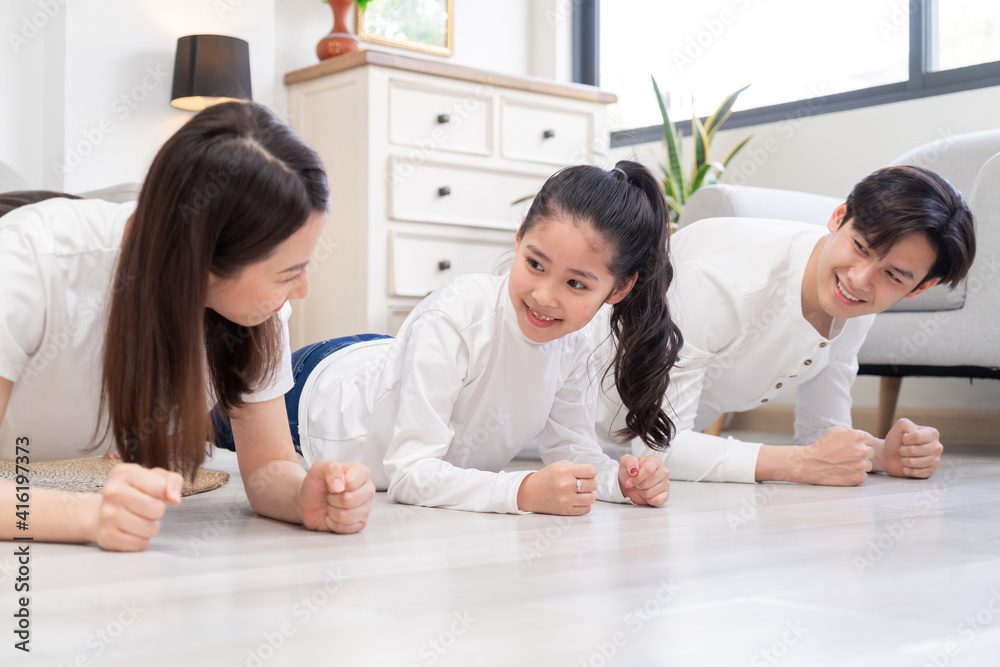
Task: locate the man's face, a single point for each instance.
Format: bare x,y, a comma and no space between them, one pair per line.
853,280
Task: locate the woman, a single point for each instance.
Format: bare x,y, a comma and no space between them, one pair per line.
122,325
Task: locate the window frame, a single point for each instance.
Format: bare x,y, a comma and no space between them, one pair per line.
921,81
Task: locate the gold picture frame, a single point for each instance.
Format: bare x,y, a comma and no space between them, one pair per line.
386,22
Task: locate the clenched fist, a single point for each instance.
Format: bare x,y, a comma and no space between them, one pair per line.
841,457
554,489
132,502
336,497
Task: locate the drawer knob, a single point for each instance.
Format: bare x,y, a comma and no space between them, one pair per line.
444,265
548,134
444,191
443,118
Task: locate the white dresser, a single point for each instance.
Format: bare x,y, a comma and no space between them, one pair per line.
424,161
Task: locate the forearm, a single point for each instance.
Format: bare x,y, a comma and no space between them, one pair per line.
272,489
52,516
780,463
840,457
699,457
434,483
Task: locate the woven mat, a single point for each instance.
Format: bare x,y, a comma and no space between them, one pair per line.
90,474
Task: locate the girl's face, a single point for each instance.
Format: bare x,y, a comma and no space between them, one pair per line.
262,288
560,278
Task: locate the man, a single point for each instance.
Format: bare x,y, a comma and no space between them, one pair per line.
768,305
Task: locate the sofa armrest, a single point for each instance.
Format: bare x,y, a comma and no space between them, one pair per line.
984,275
743,201
118,194
10,180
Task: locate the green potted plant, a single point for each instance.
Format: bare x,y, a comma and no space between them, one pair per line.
678,186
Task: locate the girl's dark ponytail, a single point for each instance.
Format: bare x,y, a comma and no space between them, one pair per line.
628,209
647,340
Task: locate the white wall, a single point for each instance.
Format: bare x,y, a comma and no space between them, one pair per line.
827,154
86,91
90,96
29,56
487,35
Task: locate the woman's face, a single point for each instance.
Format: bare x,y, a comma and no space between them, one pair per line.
262,288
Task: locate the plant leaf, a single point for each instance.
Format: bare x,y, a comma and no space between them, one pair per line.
720,115
669,188
674,206
701,147
698,179
673,147
732,153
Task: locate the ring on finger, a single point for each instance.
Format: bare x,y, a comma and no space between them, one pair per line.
579,486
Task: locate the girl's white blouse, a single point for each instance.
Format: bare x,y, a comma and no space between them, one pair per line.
437,412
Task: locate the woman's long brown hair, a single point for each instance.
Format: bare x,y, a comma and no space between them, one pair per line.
222,193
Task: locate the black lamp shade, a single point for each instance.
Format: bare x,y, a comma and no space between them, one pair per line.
210,69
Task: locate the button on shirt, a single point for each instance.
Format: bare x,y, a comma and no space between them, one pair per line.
737,298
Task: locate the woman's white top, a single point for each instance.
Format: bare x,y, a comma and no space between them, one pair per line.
439,411
57,263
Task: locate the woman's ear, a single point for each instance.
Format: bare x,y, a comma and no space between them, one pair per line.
624,287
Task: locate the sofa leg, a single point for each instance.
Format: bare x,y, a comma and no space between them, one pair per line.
887,395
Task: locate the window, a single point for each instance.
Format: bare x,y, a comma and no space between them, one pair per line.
799,57
966,32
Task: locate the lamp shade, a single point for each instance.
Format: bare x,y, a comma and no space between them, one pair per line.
209,69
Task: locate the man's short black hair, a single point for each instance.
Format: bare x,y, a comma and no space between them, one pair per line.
896,202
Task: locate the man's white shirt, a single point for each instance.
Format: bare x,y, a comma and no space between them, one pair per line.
737,298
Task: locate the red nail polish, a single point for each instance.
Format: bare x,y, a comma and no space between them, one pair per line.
633,470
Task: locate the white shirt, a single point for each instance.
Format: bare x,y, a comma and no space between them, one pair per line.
737,298
57,263
439,411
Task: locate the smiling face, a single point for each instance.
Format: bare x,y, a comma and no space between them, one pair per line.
262,288
560,279
852,280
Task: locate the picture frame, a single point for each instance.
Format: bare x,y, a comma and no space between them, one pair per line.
419,25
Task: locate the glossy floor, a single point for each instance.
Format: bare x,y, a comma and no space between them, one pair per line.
893,573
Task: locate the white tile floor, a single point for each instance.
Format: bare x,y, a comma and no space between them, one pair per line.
893,573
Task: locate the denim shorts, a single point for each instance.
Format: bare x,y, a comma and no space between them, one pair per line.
304,361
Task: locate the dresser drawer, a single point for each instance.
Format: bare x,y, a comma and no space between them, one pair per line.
394,320
419,264
545,134
459,195
434,119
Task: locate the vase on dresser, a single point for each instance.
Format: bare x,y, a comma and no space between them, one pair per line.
340,40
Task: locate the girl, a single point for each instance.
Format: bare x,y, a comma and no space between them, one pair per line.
488,364
132,320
